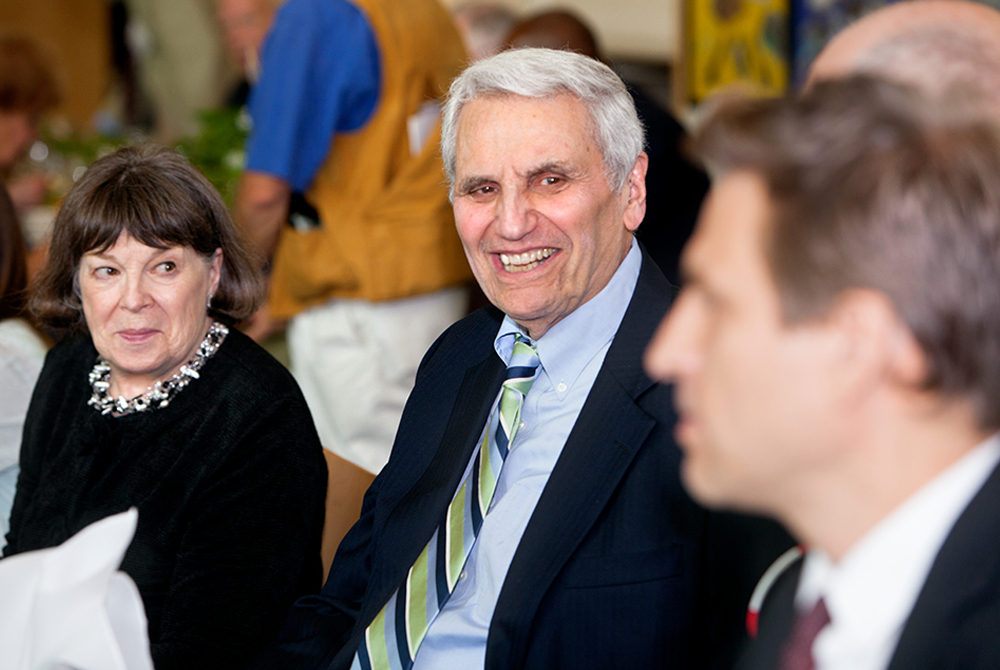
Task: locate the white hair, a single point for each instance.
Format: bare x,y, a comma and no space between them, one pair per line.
546,73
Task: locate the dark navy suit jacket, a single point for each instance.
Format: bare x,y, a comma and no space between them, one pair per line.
617,567
955,622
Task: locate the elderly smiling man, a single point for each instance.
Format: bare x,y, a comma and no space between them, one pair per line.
582,551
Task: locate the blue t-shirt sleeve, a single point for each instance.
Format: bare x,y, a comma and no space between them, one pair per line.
320,74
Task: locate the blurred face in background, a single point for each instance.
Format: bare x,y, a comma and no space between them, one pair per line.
17,132
245,24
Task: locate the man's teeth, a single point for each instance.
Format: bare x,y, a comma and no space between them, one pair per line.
529,260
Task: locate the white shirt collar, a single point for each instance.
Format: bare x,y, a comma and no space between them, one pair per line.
871,592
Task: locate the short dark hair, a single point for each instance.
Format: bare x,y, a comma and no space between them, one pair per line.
13,262
156,196
27,75
873,185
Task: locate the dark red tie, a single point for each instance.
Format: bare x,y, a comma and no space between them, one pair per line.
797,652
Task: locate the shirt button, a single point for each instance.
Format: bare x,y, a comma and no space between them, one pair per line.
462,575
561,388
520,426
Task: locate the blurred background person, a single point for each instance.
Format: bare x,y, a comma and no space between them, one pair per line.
675,187
28,89
180,62
156,402
22,351
343,193
934,45
484,28
245,24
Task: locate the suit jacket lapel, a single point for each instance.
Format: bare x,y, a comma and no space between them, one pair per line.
607,435
418,511
966,568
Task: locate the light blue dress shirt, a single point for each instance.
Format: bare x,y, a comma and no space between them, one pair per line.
571,354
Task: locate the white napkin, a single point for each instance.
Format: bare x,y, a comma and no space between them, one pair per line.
70,607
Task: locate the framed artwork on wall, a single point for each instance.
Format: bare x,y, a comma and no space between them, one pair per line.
734,42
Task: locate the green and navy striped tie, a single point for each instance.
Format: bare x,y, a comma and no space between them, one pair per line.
392,639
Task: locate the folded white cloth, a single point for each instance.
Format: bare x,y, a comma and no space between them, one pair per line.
70,606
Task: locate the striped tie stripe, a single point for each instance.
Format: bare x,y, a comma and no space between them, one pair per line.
392,639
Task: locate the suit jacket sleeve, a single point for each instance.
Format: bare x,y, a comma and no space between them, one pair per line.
370,562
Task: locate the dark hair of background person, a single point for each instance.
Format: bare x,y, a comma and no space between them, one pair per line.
13,262
874,186
156,196
27,76
675,187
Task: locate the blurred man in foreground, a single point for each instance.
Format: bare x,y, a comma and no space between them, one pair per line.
834,352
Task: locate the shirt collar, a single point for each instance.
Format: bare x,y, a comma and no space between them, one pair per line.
570,344
871,591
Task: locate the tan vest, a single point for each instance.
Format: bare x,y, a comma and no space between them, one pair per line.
388,230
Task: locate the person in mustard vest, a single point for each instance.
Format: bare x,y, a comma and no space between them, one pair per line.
344,194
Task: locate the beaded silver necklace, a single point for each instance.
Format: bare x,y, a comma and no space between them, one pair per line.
161,393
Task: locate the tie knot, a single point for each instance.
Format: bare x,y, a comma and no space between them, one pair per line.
524,363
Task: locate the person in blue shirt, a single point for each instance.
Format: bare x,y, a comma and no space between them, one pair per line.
343,195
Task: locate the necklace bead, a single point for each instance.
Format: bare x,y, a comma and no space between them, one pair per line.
161,393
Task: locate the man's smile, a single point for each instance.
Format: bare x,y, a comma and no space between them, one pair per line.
523,262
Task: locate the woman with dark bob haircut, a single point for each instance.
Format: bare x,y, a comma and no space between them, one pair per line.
155,401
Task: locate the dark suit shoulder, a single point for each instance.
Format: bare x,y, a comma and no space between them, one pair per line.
955,620
464,341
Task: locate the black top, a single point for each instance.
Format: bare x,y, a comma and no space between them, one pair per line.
229,480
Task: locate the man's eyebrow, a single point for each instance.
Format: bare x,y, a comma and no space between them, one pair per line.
689,271
554,166
685,269
470,183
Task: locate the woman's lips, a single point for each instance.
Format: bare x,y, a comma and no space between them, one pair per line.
136,335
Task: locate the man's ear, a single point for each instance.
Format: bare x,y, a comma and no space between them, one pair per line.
876,345
635,185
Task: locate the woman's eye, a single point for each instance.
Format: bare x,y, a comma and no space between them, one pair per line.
168,266
105,271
